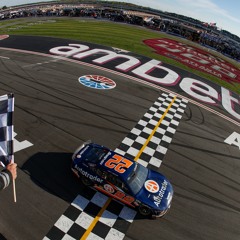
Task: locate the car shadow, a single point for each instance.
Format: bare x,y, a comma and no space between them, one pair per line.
52,172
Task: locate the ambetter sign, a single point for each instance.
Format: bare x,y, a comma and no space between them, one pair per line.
154,71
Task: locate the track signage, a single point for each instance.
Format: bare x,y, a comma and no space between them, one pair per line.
2,37
97,82
233,139
195,58
18,146
153,71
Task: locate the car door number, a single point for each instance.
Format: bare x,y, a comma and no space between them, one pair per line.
124,197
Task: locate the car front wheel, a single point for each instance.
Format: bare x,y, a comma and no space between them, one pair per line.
144,210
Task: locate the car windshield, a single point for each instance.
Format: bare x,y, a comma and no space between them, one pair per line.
95,154
137,178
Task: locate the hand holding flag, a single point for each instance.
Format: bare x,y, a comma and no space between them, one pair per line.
12,168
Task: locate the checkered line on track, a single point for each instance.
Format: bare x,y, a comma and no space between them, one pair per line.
116,219
112,225
158,144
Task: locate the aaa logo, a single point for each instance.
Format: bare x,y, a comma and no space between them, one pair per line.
108,188
151,186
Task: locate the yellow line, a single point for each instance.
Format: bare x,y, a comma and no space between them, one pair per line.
154,130
95,220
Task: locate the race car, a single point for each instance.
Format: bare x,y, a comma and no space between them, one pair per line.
122,179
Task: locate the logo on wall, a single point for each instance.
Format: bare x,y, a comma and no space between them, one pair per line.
97,82
195,58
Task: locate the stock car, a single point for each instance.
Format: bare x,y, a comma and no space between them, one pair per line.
122,179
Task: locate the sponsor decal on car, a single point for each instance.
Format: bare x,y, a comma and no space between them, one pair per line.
151,186
105,157
108,188
157,199
119,195
86,174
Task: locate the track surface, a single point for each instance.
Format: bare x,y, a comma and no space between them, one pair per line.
56,114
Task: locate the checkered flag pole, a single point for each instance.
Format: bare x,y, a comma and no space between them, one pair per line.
6,132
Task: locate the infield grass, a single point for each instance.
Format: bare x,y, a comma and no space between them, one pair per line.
119,35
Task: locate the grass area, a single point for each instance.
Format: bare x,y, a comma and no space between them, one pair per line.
5,22
105,33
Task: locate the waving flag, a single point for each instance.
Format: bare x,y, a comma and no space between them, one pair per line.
6,128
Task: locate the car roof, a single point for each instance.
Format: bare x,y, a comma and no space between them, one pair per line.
112,155
105,158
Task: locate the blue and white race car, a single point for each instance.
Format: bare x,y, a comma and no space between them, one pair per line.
123,179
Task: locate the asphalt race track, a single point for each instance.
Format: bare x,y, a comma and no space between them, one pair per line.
54,114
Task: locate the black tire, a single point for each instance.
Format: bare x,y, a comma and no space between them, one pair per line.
144,210
86,181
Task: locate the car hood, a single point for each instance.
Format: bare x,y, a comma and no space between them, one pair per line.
156,192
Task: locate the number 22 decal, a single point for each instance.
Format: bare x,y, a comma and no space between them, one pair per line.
118,163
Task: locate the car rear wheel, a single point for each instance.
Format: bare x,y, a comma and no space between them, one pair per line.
86,181
144,210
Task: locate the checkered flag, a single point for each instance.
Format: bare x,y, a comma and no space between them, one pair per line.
6,128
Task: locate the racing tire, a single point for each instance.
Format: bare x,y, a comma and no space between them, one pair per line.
86,181
144,210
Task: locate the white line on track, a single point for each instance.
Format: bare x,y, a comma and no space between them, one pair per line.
57,58
35,64
4,57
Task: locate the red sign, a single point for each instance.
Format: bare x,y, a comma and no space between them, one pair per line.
3,37
195,58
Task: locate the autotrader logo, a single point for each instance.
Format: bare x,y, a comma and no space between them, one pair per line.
157,199
86,174
97,82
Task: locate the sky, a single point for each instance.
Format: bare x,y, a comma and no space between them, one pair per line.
225,13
